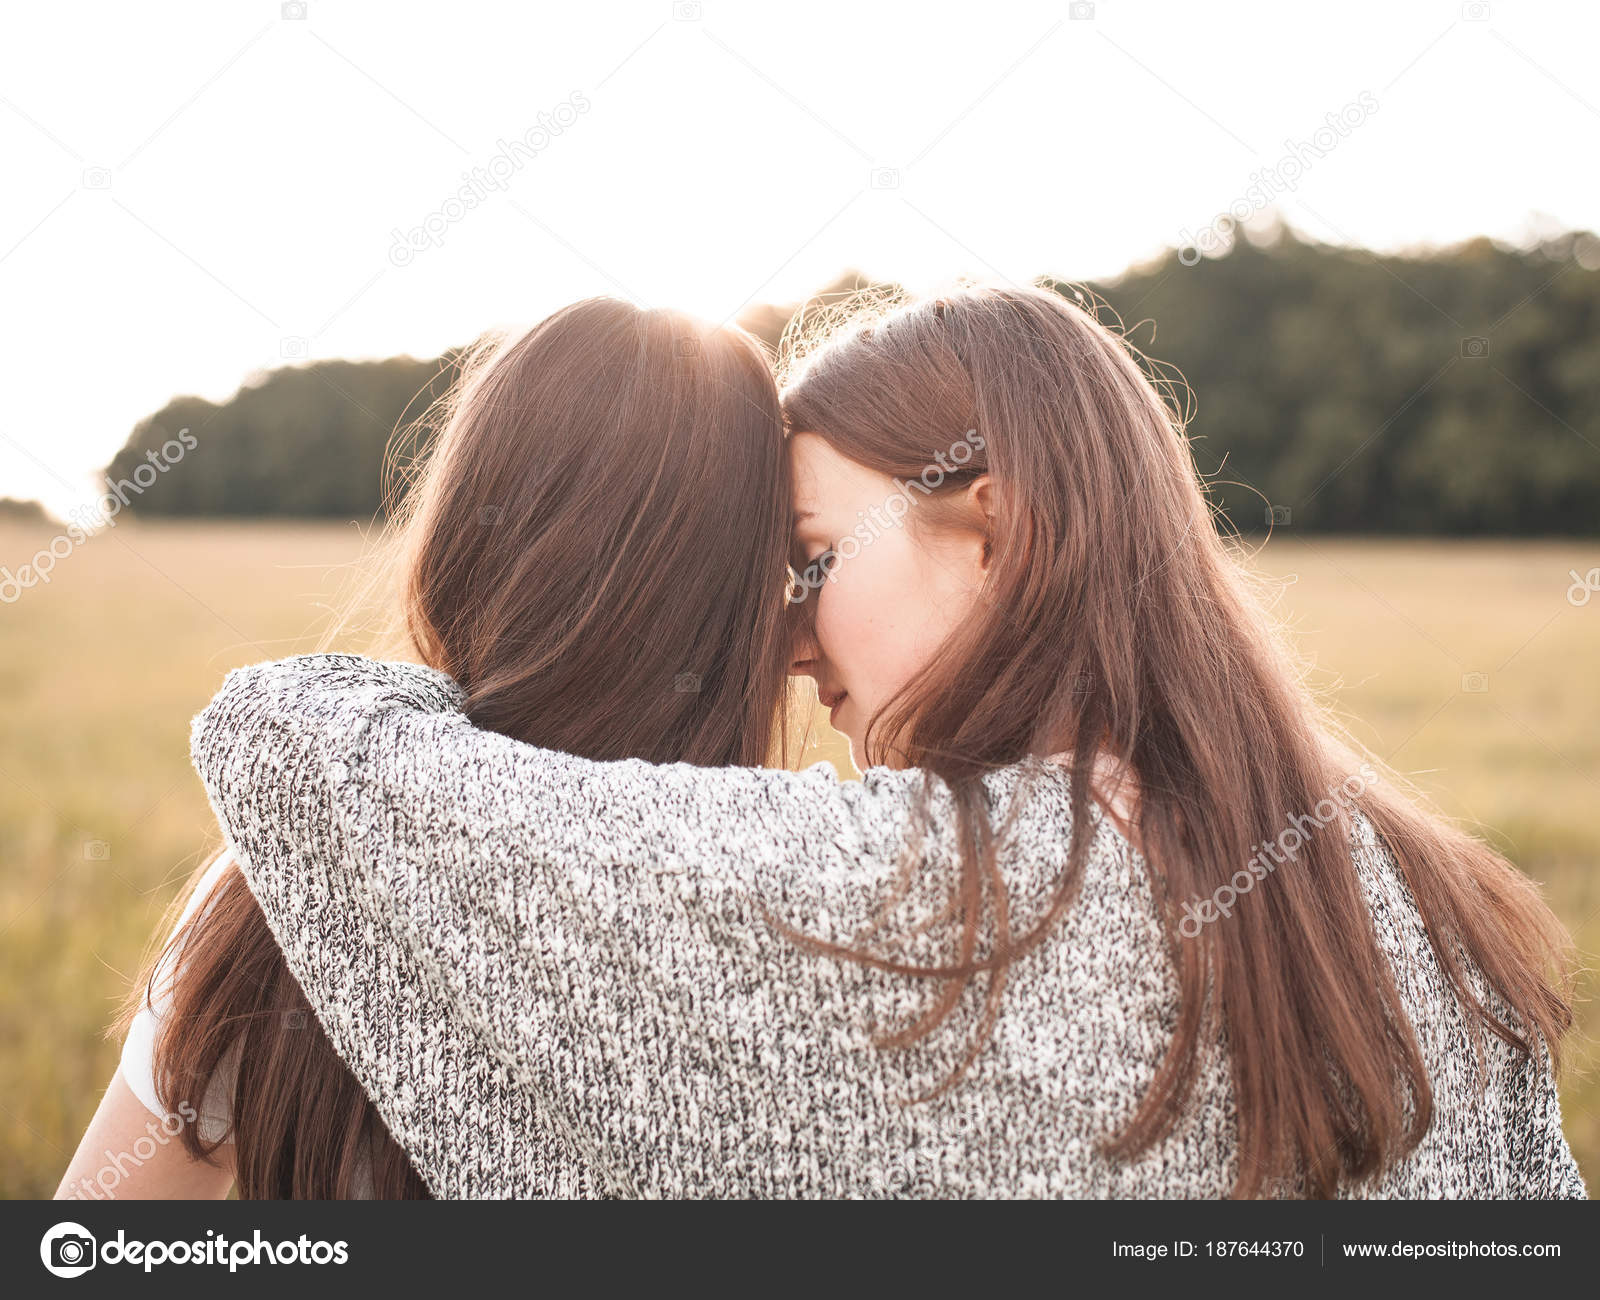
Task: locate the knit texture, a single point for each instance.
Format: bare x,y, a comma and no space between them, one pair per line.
559,977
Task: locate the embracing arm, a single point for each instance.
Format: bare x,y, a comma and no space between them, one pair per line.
381,756
601,927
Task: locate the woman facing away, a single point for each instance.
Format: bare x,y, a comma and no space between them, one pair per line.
1259,970
581,479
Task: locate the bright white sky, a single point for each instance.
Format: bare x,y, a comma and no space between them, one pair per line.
258,166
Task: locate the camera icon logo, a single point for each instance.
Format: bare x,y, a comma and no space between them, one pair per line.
68,1250
1475,347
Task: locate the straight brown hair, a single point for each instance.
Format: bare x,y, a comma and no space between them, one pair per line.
595,549
1114,619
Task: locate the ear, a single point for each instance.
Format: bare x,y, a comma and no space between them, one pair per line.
978,499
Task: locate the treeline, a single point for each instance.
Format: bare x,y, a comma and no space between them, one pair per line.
1453,393
1457,393
13,511
305,440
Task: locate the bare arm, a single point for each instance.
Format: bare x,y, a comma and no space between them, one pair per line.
115,1160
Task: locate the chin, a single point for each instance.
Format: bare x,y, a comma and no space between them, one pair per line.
858,749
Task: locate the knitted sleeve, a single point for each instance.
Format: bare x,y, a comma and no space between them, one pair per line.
604,929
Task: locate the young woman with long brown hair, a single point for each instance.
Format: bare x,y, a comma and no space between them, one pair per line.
1116,909
579,476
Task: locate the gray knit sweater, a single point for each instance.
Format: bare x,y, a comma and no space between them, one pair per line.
556,977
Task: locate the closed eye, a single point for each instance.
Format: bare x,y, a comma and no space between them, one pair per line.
816,570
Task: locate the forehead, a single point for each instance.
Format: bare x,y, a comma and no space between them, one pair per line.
824,479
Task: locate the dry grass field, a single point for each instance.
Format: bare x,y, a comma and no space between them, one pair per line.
1463,663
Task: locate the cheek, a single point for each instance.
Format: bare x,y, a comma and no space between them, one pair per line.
873,622
846,627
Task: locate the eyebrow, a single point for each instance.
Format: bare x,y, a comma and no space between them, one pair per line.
803,515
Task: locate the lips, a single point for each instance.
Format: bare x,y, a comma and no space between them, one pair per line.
831,699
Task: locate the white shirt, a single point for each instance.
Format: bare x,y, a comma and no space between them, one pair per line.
215,1110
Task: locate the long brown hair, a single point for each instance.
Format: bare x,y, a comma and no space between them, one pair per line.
595,550
1115,619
